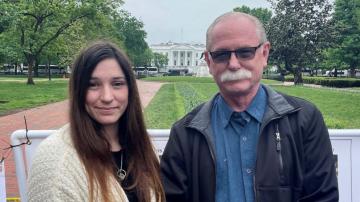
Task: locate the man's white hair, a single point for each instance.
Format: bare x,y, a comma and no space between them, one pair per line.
260,31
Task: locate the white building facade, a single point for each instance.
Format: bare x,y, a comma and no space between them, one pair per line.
182,56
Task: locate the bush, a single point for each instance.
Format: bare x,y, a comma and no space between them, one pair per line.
289,78
328,81
277,77
333,82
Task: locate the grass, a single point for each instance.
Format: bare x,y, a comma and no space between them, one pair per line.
167,108
15,95
340,109
171,79
192,79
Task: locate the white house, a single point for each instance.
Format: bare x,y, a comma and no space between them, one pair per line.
183,56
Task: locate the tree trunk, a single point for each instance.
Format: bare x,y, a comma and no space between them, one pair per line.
16,68
298,76
30,80
36,69
335,73
49,70
352,72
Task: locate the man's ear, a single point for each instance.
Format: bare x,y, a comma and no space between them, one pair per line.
207,59
266,52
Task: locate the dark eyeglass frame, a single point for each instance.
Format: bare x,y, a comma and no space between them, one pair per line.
244,53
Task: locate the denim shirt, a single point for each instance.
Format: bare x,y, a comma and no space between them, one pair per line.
236,136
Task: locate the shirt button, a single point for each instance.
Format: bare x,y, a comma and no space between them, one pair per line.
244,139
249,171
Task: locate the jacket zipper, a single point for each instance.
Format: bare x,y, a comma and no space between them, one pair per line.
278,147
261,131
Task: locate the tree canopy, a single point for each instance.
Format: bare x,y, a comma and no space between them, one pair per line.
39,30
345,50
263,14
298,32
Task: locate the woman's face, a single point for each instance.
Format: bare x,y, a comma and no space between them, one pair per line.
107,94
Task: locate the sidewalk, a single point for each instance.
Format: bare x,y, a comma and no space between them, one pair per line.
50,116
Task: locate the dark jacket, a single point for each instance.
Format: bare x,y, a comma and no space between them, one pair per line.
294,155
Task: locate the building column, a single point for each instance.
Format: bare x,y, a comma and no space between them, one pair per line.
170,58
179,58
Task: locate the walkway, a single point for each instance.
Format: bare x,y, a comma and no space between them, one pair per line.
50,116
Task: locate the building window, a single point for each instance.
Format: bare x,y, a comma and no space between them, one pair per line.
189,54
174,62
181,54
197,55
196,63
188,63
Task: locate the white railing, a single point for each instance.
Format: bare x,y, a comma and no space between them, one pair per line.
345,142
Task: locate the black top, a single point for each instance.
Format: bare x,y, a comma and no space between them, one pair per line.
131,194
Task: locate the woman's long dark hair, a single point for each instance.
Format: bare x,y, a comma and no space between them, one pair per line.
89,140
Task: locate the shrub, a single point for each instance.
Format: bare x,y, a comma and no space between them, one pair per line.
328,81
277,77
333,82
289,78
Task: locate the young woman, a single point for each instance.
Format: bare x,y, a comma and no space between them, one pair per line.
105,153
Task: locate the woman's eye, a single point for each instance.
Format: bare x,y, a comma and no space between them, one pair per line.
93,85
118,84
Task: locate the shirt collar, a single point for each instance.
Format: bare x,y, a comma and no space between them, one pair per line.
258,105
224,110
255,110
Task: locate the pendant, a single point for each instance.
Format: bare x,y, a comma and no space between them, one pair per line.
121,174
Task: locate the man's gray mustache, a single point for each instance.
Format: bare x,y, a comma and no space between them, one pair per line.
235,75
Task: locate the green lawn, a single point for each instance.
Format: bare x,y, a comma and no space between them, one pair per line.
192,79
16,95
340,109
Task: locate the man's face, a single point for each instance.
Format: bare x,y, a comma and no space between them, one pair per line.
241,73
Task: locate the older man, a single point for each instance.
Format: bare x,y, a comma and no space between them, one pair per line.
249,143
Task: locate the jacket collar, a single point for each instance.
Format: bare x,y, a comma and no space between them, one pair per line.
277,107
277,104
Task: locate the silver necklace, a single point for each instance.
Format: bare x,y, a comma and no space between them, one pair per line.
121,173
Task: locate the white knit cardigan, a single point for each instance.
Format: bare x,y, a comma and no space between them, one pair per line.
57,173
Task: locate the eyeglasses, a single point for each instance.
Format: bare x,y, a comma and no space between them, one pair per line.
246,53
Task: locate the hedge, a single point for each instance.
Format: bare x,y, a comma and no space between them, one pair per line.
329,81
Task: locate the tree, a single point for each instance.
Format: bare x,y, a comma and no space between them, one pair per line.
133,34
263,14
160,60
298,32
347,26
37,24
10,52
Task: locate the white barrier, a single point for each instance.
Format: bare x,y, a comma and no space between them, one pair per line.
2,182
345,142
23,155
346,149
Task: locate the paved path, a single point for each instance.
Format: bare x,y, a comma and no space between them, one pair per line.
50,116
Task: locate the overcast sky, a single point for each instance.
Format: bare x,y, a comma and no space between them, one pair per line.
182,20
